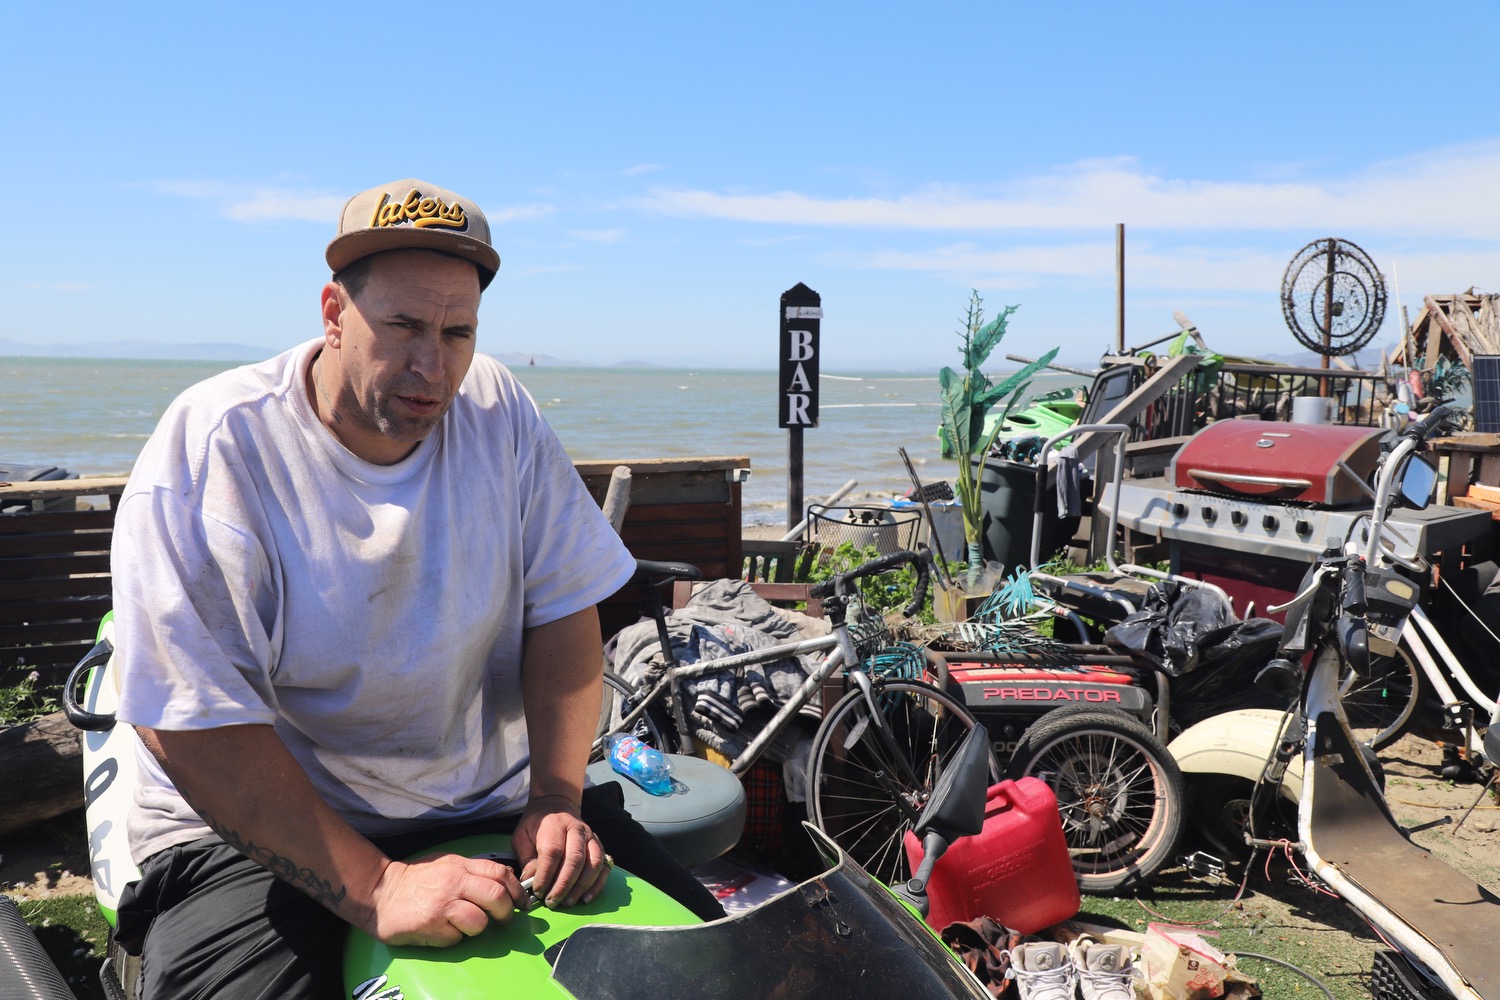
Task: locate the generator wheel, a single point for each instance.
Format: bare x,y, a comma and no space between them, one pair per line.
1119,793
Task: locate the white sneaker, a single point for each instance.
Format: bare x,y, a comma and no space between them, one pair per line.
1105,971
1042,971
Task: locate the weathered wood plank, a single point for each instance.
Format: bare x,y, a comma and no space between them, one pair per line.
41,771
106,486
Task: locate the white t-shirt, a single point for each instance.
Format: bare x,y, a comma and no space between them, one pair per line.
372,614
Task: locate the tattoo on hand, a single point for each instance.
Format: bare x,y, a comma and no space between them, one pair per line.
282,867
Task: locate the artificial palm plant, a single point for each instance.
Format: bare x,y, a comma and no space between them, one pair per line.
968,397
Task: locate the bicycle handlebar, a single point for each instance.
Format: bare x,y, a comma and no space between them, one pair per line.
1422,429
839,582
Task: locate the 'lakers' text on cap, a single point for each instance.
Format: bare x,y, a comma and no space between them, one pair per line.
413,215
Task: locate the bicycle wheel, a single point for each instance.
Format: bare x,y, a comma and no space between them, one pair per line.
870,778
1380,707
619,697
1119,792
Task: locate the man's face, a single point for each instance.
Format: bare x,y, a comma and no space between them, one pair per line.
398,353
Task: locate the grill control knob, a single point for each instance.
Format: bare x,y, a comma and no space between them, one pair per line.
1303,529
1179,510
1209,514
1238,518
1270,523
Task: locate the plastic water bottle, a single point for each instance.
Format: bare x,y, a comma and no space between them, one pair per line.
646,766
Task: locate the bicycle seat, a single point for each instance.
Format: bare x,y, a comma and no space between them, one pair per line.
700,819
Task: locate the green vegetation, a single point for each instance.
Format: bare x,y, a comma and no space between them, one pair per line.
73,934
888,591
24,701
968,398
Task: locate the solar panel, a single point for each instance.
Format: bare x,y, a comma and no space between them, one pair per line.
1486,377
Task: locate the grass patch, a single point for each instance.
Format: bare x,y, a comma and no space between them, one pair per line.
73,934
1274,916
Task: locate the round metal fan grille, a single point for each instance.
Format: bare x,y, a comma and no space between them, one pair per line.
1341,322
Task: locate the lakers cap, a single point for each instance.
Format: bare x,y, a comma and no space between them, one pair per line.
413,215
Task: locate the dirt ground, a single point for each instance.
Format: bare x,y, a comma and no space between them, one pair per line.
1433,809
47,859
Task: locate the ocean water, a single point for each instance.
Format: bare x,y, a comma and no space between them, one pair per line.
92,417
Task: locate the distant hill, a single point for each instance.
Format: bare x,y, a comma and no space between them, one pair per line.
521,359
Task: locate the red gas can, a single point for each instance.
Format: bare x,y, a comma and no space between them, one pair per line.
1016,870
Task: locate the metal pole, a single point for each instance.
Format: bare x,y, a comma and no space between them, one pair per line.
1328,314
1120,287
794,511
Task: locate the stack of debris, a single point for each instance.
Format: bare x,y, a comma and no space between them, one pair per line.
1454,327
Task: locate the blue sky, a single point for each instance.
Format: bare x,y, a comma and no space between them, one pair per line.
657,174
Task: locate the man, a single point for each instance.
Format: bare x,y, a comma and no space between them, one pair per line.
354,599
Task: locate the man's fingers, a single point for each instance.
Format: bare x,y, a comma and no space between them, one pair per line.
467,918
593,891
497,872
492,898
590,867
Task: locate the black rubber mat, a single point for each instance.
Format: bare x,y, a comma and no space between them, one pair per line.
1353,830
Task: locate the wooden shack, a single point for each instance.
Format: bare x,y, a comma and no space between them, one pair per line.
1456,327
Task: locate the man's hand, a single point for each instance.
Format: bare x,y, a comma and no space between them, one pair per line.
441,899
560,852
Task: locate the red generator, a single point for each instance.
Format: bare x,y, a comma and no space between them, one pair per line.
1009,697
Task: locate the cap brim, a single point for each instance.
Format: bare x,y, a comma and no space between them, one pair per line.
350,247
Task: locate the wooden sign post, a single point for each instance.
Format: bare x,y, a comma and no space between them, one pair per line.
801,323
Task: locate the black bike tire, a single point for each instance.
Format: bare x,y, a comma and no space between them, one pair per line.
619,692
846,803
1140,836
1388,722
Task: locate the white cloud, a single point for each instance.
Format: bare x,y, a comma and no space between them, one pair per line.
642,168
251,203
1443,192
1084,263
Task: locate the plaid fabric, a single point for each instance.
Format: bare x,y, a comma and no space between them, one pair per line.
765,807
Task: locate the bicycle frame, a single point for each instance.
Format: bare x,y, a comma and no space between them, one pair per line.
1438,662
840,648
670,684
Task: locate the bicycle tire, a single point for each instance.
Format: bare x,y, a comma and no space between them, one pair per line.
1381,706
1119,793
846,799
619,697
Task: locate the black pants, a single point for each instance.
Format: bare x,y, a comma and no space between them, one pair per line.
209,922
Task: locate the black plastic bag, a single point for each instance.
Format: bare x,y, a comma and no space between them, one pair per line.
1175,623
1224,680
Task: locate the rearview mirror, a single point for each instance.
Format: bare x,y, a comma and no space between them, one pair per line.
1417,481
956,808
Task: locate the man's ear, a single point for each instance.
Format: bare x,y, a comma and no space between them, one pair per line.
333,301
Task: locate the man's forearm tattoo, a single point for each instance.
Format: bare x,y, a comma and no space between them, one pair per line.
283,868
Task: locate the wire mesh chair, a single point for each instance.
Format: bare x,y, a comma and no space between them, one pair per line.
862,526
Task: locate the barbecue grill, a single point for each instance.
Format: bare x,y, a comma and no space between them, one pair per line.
1249,505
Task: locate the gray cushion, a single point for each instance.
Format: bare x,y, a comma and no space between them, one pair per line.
697,821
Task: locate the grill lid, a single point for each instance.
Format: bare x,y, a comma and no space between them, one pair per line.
1271,460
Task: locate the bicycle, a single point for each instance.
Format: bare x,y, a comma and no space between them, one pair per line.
878,753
